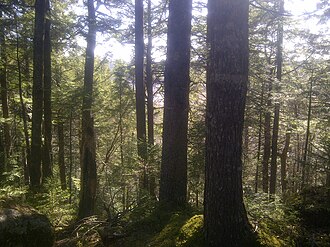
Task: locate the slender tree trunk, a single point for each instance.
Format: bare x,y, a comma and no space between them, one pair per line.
47,146
37,93
4,93
225,217
140,92
150,102
70,157
61,162
273,162
284,157
256,179
173,174
266,151
24,115
304,161
88,144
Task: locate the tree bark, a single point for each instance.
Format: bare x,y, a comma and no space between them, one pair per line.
304,161
173,174
47,145
24,115
61,161
225,217
88,144
273,162
284,157
4,94
37,93
140,92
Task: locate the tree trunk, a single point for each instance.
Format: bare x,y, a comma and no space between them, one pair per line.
150,103
256,179
24,115
273,162
47,146
140,92
37,93
61,162
225,217
4,94
304,161
88,144
173,174
266,151
284,157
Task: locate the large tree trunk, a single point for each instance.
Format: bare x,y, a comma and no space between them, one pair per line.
47,146
88,145
173,174
37,93
4,93
140,92
226,222
273,162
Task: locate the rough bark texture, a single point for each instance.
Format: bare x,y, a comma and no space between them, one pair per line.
88,145
37,93
226,222
173,175
273,162
4,92
47,147
140,92
61,162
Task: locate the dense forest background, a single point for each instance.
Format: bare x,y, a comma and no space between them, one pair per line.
113,151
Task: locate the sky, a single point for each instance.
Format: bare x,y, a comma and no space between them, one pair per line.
296,7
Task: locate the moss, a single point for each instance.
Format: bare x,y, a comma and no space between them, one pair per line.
191,233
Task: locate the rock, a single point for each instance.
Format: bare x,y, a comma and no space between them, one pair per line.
24,227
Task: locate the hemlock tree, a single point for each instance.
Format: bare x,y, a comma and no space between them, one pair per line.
37,93
88,145
226,222
173,174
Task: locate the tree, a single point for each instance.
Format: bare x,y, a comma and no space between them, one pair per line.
140,92
88,145
37,93
47,146
225,217
173,177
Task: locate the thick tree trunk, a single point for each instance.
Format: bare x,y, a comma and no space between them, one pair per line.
37,93
140,92
173,174
61,162
273,162
226,222
4,93
284,157
88,144
47,146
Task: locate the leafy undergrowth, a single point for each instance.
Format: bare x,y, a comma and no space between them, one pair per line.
161,229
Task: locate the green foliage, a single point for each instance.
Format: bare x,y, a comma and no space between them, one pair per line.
276,223
54,202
